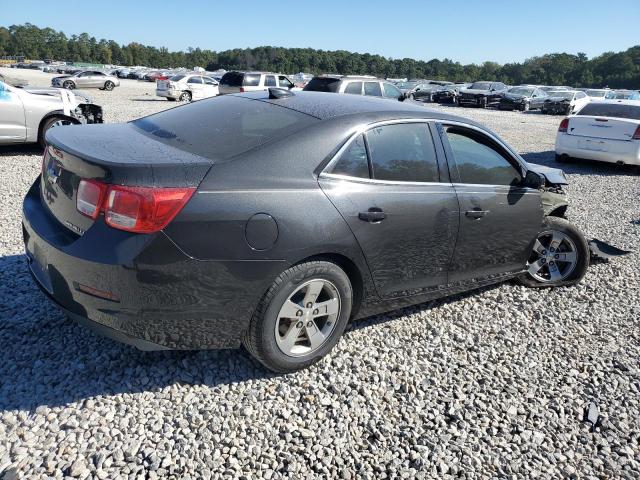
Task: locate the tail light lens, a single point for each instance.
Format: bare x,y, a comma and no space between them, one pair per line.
241,89
134,209
636,135
564,125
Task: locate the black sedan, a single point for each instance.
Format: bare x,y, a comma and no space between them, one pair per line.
523,98
272,219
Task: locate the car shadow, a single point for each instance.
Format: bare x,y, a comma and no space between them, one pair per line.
577,166
13,150
164,100
48,360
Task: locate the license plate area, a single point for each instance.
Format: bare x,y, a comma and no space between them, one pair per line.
594,145
39,267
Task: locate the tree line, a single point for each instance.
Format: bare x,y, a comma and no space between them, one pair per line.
613,69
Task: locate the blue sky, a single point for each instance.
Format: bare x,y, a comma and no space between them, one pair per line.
466,31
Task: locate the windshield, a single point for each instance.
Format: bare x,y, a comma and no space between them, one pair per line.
615,110
480,86
222,127
562,94
177,78
596,93
527,92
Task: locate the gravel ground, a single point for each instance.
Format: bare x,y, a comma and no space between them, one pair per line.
496,385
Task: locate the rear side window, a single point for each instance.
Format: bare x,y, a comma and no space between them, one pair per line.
320,84
232,79
372,89
479,160
403,152
270,81
617,110
353,161
195,80
251,80
222,127
354,88
177,78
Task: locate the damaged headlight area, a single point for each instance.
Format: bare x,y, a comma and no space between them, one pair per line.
88,113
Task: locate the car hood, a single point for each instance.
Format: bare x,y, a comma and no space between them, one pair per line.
65,96
553,175
557,99
513,96
474,91
59,77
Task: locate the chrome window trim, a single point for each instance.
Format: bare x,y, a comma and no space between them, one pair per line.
359,130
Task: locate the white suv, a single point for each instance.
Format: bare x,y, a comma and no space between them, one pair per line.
237,82
357,85
187,87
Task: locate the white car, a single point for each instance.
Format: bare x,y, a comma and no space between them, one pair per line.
187,87
597,93
564,102
607,130
27,113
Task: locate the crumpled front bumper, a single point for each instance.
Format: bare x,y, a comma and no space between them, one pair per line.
557,108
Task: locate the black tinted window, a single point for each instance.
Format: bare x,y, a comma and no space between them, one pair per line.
231,79
617,110
479,160
372,89
222,127
320,84
353,161
403,152
353,87
195,80
251,80
270,81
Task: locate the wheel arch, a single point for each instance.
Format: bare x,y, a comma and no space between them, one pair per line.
57,114
559,211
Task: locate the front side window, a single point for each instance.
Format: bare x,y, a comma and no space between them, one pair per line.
403,152
285,82
372,89
353,161
270,81
479,159
354,88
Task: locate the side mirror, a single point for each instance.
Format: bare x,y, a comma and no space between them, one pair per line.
402,98
533,180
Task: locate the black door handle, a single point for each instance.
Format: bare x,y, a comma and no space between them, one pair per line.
373,215
476,213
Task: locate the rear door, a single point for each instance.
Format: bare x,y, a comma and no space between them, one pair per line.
499,218
195,86
12,119
403,211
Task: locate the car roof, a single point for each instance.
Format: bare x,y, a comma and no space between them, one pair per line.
324,105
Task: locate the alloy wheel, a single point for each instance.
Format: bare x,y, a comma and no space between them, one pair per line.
554,257
307,318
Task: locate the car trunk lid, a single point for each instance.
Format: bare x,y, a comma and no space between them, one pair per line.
600,127
113,154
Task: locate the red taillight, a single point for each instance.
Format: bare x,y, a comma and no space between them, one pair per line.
564,125
636,135
134,209
241,89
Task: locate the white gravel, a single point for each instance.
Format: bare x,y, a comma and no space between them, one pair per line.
491,384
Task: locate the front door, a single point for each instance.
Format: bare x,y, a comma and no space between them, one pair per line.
387,186
499,218
195,86
12,120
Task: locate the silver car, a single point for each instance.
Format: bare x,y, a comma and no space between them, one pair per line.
86,79
27,113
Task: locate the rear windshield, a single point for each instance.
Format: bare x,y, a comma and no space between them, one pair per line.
251,80
232,79
223,127
617,110
318,84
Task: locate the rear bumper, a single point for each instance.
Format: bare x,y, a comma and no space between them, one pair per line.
613,151
168,93
160,297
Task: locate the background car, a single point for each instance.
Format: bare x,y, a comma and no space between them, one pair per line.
522,98
564,102
481,94
597,92
623,95
356,85
606,130
196,237
187,87
27,114
236,82
425,91
449,93
87,79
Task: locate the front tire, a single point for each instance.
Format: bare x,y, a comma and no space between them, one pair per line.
108,86
301,317
68,85
560,256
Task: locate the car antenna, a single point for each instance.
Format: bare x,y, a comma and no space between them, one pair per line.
275,93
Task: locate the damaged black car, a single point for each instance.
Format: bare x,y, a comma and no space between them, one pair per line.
522,98
482,94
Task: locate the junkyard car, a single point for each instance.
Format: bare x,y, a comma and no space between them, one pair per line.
355,85
623,95
237,82
27,114
187,87
564,102
607,131
273,219
522,98
597,93
449,93
425,91
87,79
482,94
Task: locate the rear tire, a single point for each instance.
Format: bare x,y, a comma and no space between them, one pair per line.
290,308
560,256
185,97
68,85
108,86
